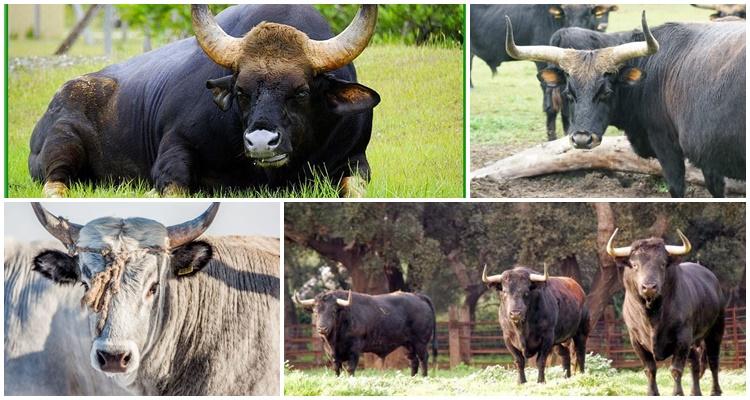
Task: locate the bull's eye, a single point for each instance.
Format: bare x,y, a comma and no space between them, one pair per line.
152,290
85,286
634,265
302,94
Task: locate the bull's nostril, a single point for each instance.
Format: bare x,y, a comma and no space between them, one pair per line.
126,360
100,358
274,141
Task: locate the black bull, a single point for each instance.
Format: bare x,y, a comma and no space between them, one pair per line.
672,309
152,118
538,313
681,95
374,324
536,24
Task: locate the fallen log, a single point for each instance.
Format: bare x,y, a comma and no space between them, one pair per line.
614,154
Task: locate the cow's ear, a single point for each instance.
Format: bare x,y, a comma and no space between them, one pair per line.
551,77
190,258
57,266
556,11
602,9
346,98
631,76
222,90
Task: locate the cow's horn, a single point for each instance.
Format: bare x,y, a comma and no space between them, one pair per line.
706,6
489,279
540,278
549,54
62,229
617,251
680,250
347,302
187,231
334,53
628,51
220,47
302,303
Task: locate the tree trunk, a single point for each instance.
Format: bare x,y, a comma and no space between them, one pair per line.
607,281
469,280
737,297
80,26
568,266
614,153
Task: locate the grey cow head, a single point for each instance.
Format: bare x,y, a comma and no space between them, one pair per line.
587,16
123,265
646,262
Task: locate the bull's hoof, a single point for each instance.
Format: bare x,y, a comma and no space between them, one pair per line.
551,136
652,393
55,190
353,187
716,392
174,190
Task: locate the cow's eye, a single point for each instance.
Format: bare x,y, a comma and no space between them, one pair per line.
302,94
85,286
634,265
152,290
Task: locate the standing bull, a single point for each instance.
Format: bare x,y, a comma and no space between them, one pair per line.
648,88
353,323
286,100
671,309
539,312
540,21
724,10
166,313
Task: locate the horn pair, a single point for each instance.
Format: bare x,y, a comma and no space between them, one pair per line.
68,232
325,55
672,250
532,277
309,303
554,55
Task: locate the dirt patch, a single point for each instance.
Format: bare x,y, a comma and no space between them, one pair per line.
589,184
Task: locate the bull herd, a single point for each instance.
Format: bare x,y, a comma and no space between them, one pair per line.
671,309
677,90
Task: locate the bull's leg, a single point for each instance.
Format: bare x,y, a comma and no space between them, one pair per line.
520,361
337,367
714,183
172,168
678,366
695,372
551,128
672,162
352,363
565,116
471,66
59,161
355,184
713,348
564,353
414,361
649,363
579,341
541,362
423,358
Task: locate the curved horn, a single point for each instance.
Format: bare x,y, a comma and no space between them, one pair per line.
549,54
302,303
347,302
220,47
706,6
540,278
187,231
489,279
62,229
617,251
628,51
679,250
334,53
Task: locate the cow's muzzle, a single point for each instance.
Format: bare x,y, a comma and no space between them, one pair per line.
114,358
263,147
584,140
649,291
515,317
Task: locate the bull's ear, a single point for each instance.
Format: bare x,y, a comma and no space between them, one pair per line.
556,11
551,77
631,76
346,98
601,9
222,90
190,258
57,266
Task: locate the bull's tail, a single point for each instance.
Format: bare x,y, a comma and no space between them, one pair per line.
434,329
704,359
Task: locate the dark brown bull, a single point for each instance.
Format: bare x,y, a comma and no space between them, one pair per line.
672,309
539,312
354,323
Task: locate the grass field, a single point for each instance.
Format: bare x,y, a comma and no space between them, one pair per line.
416,148
599,380
507,109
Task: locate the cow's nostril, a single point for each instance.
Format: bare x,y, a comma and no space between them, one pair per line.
100,358
274,141
125,360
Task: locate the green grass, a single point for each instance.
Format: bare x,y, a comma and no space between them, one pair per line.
415,150
507,109
599,380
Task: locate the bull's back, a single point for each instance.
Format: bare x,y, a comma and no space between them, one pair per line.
700,75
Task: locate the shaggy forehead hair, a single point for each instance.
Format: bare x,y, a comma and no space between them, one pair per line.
269,48
122,234
589,64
